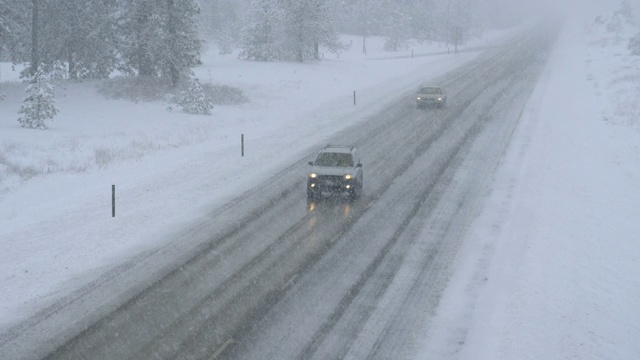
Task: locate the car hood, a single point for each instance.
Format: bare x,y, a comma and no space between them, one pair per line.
336,171
430,96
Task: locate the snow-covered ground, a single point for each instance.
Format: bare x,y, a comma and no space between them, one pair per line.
550,269
170,168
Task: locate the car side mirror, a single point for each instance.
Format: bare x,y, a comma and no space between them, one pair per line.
359,165
311,163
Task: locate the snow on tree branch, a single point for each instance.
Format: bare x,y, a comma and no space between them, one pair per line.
40,103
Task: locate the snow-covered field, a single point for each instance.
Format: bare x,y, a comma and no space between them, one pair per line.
550,269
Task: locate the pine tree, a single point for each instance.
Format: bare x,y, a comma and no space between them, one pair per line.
193,100
460,22
362,17
288,30
140,38
225,39
634,45
40,103
397,28
5,28
225,21
616,24
158,38
261,36
308,25
13,29
183,42
626,11
81,33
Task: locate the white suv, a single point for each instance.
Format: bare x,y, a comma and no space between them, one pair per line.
337,171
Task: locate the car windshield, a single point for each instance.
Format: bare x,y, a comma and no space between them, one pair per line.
430,90
334,159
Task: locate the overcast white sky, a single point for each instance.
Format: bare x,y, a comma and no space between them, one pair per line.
553,7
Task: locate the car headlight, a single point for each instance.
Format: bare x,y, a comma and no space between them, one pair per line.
439,99
313,175
348,177
419,98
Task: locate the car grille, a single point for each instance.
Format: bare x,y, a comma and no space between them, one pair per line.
330,182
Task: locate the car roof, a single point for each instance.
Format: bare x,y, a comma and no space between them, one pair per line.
430,88
338,148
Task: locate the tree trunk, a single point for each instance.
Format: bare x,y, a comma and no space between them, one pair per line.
145,65
73,72
173,67
70,44
34,37
365,16
364,44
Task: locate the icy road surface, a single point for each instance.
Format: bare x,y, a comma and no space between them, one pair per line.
278,279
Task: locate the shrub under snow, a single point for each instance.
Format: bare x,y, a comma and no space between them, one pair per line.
194,100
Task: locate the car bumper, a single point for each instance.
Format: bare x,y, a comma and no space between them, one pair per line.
431,102
323,187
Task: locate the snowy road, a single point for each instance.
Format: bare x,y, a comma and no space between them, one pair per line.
280,280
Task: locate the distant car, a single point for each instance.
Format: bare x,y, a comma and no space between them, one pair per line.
336,171
431,96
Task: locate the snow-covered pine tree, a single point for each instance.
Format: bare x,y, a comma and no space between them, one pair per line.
398,26
40,103
159,38
225,39
288,30
298,30
193,100
634,45
362,17
5,27
80,33
422,22
440,19
223,20
226,22
345,15
139,37
461,22
182,40
13,16
262,34
325,33
626,11
616,24
307,25
15,30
